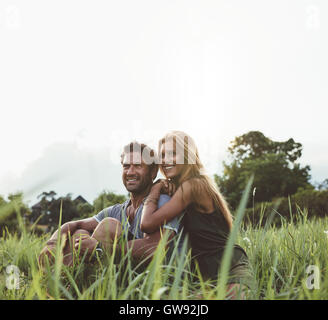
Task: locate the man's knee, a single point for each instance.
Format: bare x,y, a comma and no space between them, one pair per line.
107,229
109,225
80,232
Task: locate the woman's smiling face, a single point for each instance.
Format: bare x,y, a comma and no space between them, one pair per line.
172,161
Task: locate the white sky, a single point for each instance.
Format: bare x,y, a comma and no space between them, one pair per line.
79,79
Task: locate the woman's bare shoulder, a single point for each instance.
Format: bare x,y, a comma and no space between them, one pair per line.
189,184
184,192
188,188
192,183
198,195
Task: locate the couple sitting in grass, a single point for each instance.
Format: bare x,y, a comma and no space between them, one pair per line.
186,201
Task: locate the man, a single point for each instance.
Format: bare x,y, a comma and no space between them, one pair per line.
99,231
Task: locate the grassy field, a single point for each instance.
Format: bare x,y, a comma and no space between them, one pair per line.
289,262
280,258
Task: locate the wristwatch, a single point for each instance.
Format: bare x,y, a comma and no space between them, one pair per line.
99,249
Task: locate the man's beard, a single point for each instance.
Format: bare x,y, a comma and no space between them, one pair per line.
139,188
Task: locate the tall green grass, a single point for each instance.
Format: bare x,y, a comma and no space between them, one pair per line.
278,256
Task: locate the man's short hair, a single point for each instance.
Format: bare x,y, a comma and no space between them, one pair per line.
149,155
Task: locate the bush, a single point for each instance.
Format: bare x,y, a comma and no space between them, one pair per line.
312,202
13,213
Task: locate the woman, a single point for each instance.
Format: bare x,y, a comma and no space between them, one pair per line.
207,220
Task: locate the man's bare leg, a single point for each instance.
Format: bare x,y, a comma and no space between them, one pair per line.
106,231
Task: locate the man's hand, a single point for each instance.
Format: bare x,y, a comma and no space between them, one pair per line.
85,244
47,252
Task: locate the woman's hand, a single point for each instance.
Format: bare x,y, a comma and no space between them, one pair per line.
164,186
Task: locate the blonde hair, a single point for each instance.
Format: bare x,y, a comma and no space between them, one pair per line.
193,168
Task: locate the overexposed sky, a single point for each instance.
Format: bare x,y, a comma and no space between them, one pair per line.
79,79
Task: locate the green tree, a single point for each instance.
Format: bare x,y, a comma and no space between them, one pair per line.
276,172
106,199
49,207
255,144
85,210
69,210
13,212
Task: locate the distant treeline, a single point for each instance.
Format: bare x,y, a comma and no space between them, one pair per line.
281,186
47,211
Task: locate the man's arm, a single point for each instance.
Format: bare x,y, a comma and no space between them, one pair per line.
88,224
